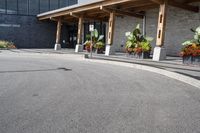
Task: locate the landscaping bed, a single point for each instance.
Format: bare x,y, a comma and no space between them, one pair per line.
191,50
5,45
138,45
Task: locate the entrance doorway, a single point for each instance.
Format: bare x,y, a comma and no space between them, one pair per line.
72,35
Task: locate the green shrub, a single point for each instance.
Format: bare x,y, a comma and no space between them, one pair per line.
6,44
136,42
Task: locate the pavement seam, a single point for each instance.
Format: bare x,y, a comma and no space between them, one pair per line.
173,75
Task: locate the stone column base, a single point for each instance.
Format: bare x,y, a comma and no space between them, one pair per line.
79,48
109,50
57,47
159,53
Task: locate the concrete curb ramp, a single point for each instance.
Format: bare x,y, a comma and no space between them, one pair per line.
173,75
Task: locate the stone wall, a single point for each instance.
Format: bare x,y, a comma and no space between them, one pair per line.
179,23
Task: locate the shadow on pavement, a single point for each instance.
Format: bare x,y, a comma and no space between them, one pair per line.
37,70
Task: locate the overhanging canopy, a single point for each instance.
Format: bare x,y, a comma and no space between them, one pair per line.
100,9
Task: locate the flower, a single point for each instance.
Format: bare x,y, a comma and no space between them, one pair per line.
190,50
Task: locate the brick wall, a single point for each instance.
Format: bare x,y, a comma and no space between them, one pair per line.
178,27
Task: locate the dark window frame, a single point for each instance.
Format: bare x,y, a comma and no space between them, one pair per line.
28,8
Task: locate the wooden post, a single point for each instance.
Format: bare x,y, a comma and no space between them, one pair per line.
160,51
79,46
161,24
110,35
58,31
80,28
111,28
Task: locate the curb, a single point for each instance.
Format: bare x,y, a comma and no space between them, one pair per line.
173,75
52,55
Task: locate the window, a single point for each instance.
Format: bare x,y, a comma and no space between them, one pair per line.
72,2
2,6
86,30
22,7
11,6
63,3
44,6
33,7
53,4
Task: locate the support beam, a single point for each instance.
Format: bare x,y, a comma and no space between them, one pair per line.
158,1
73,15
161,24
58,32
135,4
81,8
80,30
159,51
184,6
111,28
54,19
191,1
120,12
144,8
79,46
111,25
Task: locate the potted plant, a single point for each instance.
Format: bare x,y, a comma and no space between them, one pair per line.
191,49
99,46
97,41
146,47
87,45
138,44
130,43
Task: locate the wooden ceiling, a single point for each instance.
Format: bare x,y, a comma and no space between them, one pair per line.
101,9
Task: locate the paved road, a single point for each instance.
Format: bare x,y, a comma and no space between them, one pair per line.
47,94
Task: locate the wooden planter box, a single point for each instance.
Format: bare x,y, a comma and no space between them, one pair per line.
187,60
99,51
196,60
143,55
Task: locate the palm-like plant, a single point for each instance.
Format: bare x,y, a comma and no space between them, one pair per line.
136,40
196,39
133,38
192,47
97,40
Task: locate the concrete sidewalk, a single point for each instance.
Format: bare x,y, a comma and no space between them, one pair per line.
172,64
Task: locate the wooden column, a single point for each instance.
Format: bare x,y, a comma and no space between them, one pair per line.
111,28
80,30
162,24
58,31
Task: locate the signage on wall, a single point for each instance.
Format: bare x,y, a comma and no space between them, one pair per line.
10,25
91,27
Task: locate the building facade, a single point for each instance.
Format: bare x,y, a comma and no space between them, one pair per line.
179,23
18,23
21,26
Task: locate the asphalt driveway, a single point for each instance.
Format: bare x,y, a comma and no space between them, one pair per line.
47,94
